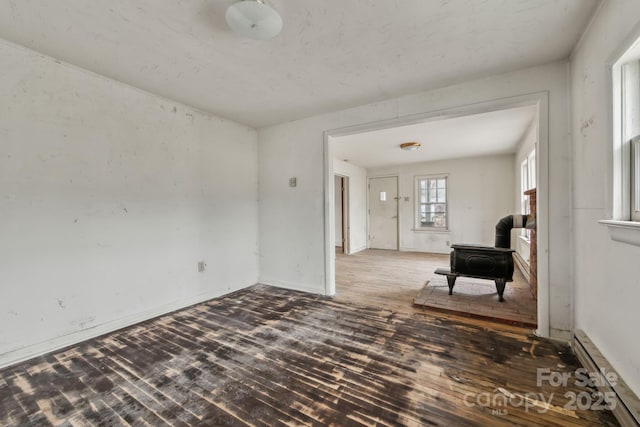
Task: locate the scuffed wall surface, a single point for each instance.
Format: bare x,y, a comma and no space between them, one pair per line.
607,273
109,197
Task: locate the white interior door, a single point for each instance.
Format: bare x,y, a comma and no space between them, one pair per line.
383,213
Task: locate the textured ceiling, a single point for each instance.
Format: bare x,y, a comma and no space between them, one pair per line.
331,54
495,132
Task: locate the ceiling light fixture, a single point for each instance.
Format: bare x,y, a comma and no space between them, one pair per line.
410,146
254,19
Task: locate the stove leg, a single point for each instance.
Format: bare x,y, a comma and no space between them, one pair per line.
500,283
451,280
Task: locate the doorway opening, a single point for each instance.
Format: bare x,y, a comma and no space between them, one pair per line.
481,188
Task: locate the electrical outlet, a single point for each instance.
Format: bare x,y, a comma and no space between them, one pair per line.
293,182
201,266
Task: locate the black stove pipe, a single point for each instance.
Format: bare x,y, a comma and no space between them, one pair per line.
504,226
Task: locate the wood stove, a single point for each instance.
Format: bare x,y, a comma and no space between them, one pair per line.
486,262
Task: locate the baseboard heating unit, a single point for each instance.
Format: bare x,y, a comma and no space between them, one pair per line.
626,407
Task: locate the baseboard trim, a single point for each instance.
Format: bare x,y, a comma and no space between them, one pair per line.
358,249
293,286
627,408
522,266
425,251
30,351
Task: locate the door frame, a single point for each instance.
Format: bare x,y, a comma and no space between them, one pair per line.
369,178
539,99
346,238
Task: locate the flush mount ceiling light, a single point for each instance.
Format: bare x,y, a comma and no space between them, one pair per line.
254,19
410,146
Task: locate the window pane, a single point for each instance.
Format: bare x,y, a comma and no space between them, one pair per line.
635,179
442,194
524,176
423,214
532,170
433,196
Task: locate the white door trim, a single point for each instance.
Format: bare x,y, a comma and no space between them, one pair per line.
346,226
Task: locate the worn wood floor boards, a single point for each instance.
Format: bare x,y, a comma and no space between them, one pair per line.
396,280
272,357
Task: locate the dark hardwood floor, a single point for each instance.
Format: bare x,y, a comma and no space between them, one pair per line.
265,356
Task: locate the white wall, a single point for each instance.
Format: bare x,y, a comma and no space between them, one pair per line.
292,222
357,203
480,192
607,273
525,147
109,197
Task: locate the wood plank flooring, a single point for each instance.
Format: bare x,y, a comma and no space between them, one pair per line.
265,356
371,277
395,279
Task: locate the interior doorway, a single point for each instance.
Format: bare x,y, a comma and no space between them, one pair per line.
409,238
342,214
383,213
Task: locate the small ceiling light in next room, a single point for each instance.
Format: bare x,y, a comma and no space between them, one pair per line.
410,146
254,19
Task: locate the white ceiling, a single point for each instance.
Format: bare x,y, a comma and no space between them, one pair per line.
331,54
495,132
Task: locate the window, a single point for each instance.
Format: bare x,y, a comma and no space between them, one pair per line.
531,159
431,202
626,130
623,202
524,186
527,182
635,179
631,130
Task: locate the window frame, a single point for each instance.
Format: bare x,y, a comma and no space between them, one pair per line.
635,179
533,179
527,182
625,194
623,227
524,186
417,204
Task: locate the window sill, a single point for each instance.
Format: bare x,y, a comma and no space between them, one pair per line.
431,230
623,231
